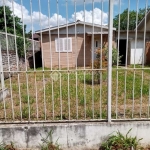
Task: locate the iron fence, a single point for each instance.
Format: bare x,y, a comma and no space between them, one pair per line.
78,71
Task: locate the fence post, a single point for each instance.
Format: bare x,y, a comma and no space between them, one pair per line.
109,77
1,69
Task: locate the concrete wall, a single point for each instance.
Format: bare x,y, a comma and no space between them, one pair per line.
71,136
12,63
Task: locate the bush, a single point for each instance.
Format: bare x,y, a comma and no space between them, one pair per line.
119,141
100,58
48,143
115,56
20,46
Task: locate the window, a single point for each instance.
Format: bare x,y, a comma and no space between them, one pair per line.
96,43
63,44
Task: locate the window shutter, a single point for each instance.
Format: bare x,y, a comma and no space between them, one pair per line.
63,44
59,45
67,41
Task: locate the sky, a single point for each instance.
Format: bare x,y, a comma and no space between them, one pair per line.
40,14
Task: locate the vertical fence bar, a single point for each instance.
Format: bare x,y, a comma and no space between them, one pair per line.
8,59
84,66
2,75
126,63
68,65
26,69
109,82
1,69
43,70
93,58
135,46
101,60
76,47
35,74
118,60
17,59
143,59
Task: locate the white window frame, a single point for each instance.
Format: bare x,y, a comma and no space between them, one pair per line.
63,44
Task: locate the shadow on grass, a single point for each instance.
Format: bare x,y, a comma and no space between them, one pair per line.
91,82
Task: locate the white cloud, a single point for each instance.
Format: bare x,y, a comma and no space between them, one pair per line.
89,15
42,20
37,18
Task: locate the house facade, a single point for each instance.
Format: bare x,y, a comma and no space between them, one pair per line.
73,44
137,50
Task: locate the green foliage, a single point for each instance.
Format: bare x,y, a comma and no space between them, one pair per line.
48,143
132,19
121,142
9,28
101,60
10,22
20,46
115,56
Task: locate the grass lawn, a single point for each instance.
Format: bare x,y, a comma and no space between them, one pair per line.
72,97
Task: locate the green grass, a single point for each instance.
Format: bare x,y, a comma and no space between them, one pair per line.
70,87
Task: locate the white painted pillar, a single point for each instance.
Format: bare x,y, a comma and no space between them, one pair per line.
109,77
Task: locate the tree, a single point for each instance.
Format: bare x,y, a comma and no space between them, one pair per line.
132,19
19,27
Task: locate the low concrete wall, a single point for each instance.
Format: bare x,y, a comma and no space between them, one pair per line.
72,136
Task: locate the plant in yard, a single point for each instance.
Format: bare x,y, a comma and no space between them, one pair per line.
48,143
115,56
121,142
99,63
7,147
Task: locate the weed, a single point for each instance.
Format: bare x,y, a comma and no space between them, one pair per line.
25,99
119,141
25,111
47,143
7,147
81,102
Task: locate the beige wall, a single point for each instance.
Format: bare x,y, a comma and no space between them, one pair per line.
51,57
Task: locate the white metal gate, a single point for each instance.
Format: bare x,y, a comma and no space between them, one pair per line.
51,74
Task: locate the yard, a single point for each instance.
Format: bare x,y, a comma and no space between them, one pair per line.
74,93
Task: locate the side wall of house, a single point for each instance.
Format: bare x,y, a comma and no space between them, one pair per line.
51,58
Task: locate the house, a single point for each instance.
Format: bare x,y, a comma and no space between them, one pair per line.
137,50
72,44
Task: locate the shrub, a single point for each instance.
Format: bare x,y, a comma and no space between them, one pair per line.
115,56
48,143
99,62
119,141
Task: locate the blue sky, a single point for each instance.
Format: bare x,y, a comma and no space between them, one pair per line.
37,24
